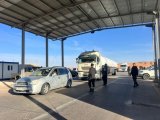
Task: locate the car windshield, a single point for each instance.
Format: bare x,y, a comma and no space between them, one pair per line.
149,68
41,72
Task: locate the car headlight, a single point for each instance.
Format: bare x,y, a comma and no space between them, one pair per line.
34,82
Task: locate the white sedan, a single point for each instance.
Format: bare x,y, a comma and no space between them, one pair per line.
43,80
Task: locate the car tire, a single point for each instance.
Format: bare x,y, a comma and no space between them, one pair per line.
44,89
69,84
146,76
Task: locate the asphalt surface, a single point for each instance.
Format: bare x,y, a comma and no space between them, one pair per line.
117,101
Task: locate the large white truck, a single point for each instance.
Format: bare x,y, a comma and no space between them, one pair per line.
123,67
85,59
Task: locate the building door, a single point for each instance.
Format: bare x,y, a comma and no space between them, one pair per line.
1,70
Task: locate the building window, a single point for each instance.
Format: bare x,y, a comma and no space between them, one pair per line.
8,67
11,67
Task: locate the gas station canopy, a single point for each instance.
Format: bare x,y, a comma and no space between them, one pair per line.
60,19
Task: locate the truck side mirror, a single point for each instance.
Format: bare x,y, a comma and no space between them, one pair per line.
77,60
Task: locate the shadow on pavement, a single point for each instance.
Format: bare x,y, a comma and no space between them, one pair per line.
118,98
47,109
6,84
123,99
41,105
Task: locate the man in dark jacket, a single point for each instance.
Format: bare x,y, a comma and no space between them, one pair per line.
134,73
92,72
105,74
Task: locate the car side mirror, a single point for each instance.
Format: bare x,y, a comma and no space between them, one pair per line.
53,75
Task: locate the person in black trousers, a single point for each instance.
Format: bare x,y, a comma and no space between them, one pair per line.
134,73
91,79
104,74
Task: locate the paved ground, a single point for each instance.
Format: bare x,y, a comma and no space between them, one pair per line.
118,101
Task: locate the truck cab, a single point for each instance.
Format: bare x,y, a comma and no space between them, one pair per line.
84,63
123,67
87,58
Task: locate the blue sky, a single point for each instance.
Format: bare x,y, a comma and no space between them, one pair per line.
121,45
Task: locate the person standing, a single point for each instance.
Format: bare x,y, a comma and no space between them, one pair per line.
129,70
134,73
91,81
105,74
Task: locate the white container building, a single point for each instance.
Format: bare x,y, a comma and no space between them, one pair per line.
8,69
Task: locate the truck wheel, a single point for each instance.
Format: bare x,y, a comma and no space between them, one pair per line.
146,76
44,89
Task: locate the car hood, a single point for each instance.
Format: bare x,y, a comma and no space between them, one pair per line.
29,78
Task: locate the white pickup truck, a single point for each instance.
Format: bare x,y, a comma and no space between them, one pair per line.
147,73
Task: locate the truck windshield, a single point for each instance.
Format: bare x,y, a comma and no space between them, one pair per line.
123,66
86,60
41,72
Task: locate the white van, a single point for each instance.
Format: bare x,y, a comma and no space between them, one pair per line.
43,80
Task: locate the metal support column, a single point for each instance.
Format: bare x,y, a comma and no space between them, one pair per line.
158,40
155,54
62,50
23,52
46,50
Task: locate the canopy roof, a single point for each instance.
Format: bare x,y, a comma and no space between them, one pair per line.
63,18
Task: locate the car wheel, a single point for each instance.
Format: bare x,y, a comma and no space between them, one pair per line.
44,89
146,76
69,84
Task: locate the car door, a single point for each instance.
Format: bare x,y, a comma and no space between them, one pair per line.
54,79
152,72
66,76
63,76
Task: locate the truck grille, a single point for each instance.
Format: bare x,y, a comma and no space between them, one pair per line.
22,83
85,68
